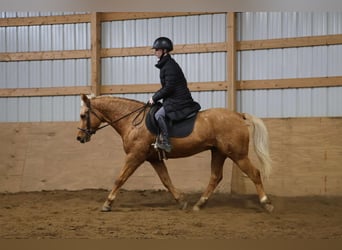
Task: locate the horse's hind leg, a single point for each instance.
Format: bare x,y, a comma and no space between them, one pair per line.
160,168
217,161
254,174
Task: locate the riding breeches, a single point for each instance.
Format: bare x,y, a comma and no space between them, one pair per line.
160,113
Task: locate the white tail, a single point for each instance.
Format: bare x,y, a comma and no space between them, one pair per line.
260,139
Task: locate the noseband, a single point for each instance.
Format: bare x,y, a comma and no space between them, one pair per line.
90,131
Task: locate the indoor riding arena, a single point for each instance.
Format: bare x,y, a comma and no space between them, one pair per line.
283,67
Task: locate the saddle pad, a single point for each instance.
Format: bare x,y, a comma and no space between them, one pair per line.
178,129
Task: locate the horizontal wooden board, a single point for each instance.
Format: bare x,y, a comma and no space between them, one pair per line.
148,88
113,52
290,83
85,18
56,91
193,86
45,55
119,16
178,49
290,42
44,20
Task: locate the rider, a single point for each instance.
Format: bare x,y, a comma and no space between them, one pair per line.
177,99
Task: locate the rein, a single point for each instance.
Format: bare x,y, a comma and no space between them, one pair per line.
89,131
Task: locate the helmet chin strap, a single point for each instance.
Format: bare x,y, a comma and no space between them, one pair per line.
163,54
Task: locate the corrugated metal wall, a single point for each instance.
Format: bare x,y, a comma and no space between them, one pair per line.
261,64
47,73
317,61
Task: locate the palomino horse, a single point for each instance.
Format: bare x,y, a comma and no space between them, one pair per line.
223,132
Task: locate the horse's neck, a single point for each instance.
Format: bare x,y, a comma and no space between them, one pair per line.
114,111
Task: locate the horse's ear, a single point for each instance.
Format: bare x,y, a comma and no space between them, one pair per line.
85,100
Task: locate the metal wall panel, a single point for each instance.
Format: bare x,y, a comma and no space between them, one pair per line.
23,73
306,102
3,109
334,23
12,107
334,63
3,39
334,101
219,28
182,30
135,70
141,34
268,25
192,26
23,109
10,14
319,61
48,73
197,68
45,38
22,39
56,37
39,109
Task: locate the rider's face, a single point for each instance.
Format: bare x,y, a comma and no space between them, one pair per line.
158,53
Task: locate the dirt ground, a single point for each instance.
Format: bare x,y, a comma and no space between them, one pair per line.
152,214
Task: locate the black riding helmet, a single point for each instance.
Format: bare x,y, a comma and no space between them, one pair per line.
163,43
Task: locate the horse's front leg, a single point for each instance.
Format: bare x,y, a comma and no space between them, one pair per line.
160,168
131,164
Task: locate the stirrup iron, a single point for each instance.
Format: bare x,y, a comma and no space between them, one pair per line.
161,152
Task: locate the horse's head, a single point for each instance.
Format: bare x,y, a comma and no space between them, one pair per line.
89,121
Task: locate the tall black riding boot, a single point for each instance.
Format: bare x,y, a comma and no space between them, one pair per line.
165,144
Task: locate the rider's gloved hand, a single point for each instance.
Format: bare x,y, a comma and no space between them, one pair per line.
151,101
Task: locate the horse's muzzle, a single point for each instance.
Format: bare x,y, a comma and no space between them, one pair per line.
79,138
84,135
83,138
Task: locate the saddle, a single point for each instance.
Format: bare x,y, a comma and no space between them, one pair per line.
177,129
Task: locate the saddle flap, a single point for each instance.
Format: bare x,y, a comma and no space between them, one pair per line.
178,129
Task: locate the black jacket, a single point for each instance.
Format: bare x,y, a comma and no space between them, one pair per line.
177,99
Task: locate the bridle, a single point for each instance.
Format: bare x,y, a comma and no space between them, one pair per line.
90,131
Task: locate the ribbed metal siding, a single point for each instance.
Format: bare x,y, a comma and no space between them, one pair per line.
269,25
264,64
48,73
318,61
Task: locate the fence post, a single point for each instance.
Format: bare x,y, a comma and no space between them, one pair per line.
95,59
237,186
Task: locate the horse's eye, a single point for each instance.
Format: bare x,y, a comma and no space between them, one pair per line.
83,116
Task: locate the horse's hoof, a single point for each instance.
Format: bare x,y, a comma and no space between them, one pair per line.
183,205
196,208
106,209
268,207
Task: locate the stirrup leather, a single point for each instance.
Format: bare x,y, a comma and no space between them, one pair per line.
157,145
